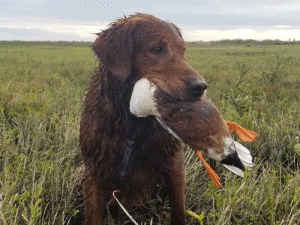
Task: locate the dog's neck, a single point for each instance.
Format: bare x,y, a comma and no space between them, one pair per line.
117,95
114,92
134,151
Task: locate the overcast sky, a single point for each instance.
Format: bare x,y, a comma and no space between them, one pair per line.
199,20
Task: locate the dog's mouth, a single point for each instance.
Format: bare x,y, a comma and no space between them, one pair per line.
143,103
149,100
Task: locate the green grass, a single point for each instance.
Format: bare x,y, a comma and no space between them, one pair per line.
42,86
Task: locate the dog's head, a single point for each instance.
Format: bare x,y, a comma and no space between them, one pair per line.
153,49
151,54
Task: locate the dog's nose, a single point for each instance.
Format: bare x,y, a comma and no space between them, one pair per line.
197,87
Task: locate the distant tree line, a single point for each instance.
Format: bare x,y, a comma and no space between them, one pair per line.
47,43
248,42
244,42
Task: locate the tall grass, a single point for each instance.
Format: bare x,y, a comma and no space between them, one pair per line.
42,88
41,91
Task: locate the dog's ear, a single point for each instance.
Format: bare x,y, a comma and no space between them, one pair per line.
176,29
114,48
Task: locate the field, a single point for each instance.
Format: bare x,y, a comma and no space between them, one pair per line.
42,86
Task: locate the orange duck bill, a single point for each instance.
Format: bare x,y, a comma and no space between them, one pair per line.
197,123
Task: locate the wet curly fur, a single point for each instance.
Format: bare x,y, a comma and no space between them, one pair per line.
107,125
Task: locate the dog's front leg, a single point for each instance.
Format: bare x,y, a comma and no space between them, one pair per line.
176,187
94,200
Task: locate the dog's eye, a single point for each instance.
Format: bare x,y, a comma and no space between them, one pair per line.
157,50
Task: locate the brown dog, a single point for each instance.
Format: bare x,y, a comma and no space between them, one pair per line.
124,152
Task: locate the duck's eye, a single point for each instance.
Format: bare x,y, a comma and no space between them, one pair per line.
157,50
